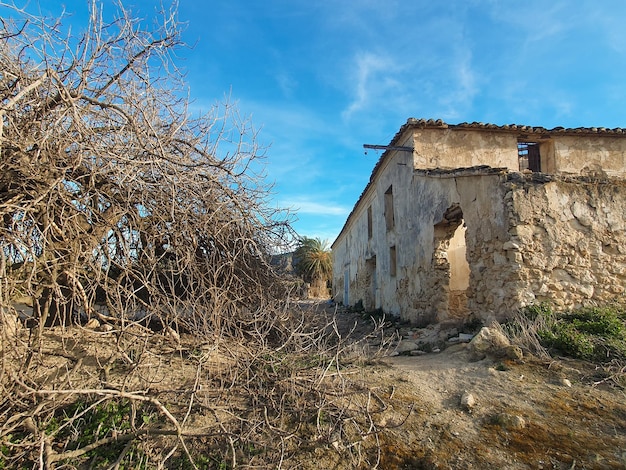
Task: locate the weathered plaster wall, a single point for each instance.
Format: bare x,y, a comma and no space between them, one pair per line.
569,237
528,237
367,261
570,154
578,155
420,290
447,148
480,197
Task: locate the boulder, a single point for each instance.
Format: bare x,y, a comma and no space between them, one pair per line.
490,341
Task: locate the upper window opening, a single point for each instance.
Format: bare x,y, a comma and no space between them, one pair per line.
389,219
529,157
370,228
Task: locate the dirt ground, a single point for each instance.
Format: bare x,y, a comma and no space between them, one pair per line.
439,410
526,415
493,413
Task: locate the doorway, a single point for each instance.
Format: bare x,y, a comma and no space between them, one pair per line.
450,264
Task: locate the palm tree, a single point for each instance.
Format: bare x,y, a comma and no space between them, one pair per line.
313,261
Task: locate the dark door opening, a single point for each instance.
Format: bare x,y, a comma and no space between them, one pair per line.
529,156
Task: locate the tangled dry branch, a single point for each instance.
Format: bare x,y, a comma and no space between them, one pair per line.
142,322
115,203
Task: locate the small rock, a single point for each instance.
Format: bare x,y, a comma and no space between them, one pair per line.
417,352
436,350
510,246
406,346
508,421
512,352
488,341
566,382
468,401
104,328
92,324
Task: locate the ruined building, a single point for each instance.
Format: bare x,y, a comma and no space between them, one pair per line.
479,219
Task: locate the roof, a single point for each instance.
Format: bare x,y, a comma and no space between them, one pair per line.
413,123
439,124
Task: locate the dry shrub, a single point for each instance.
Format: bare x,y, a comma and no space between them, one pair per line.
135,244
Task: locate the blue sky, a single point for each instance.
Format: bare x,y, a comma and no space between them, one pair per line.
321,78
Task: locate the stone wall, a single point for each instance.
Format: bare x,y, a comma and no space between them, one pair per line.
567,239
528,237
445,200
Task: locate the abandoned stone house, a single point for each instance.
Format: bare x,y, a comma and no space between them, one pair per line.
480,219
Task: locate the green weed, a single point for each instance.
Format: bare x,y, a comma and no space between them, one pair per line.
83,423
591,333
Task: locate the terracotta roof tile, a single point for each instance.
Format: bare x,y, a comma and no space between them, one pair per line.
438,123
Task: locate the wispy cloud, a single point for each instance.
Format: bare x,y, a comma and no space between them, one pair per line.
463,86
286,83
303,206
374,76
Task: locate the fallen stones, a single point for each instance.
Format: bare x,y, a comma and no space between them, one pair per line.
406,346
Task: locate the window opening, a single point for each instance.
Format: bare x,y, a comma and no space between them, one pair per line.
369,223
529,156
389,219
392,261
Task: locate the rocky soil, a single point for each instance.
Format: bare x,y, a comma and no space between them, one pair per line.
502,411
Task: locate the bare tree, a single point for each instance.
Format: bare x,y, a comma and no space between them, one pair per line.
111,192
117,205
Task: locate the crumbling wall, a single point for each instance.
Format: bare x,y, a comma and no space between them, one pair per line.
443,200
568,239
529,238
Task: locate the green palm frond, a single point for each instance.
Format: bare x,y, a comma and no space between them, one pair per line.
313,259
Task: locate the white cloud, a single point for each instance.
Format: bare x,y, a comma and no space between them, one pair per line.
316,208
463,87
373,77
